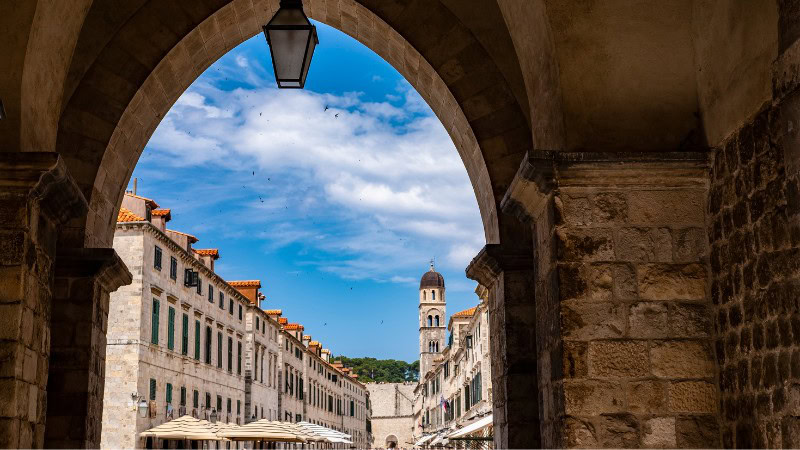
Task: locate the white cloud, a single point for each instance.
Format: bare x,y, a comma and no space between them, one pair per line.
376,186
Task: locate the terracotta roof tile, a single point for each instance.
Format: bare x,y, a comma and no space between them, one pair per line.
307,337
466,312
245,283
273,312
208,252
293,326
314,344
283,320
149,201
192,239
125,215
162,212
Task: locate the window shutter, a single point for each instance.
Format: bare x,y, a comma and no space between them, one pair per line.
239,358
197,340
211,293
230,354
152,388
185,335
169,393
240,314
183,395
154,323
195,399
219,350
171,328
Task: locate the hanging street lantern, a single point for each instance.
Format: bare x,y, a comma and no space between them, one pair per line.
143,408
291,38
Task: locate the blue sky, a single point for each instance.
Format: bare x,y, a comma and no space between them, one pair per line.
335,197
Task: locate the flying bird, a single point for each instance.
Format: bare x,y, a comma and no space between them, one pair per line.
326,107
336,115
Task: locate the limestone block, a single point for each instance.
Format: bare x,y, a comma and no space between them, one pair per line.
579,433
692,397
619,431
585,281
671,207
647,397
591,398
643,244
592,244
659,432
610,208
618,359
682,359
648,320
672,282
586,321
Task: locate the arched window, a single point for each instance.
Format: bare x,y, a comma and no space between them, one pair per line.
430,320
436,320
424,295
433,294
436,346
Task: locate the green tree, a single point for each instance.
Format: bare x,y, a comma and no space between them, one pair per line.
381,370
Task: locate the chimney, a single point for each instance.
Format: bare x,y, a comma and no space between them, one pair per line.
160,217
248,288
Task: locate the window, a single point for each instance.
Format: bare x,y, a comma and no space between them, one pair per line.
185,335
190,278
352,408
433,295
208,345
171,328
208,401
154,322
197,340
210,293
424,295
430,320
195,399
183,395
157,258
219,403
230,354
258,323
469,341
199,286
239,357
173,268
221,300
228,404
230,306
240,314
169,393
152,388
300,388
219,350
238,407
436,320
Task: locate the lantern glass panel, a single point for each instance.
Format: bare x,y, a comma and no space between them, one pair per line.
292,39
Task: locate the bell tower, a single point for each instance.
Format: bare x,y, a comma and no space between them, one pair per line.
432,316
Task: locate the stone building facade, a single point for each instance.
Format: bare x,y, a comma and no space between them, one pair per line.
392,407
185,341
456,388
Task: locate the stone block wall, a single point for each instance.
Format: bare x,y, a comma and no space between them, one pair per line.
754,231
637,364
623,323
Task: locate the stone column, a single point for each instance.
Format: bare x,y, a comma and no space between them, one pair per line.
37,196
84,279
625,357
508,276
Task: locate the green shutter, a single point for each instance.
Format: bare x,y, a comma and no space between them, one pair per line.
171,328
154,323
197,340
169,393
196,399
239,357
230,355
183,395
152,388
219,350
185,335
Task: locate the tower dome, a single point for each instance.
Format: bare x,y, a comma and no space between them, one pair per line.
431,279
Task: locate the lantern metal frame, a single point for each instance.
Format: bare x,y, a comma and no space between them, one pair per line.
291,4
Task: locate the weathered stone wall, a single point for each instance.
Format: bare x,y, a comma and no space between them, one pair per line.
754,230
622,319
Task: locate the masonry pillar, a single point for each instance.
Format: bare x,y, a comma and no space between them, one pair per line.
84,279
623,322
37,196
508,276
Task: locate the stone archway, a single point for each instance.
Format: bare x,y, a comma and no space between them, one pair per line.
391,441
125,57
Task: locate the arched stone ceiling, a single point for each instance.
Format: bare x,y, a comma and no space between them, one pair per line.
132,62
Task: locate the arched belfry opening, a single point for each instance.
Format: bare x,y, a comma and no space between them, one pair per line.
635,169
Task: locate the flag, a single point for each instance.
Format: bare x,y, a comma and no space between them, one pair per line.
443,403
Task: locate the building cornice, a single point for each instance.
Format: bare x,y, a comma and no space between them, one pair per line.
186,257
